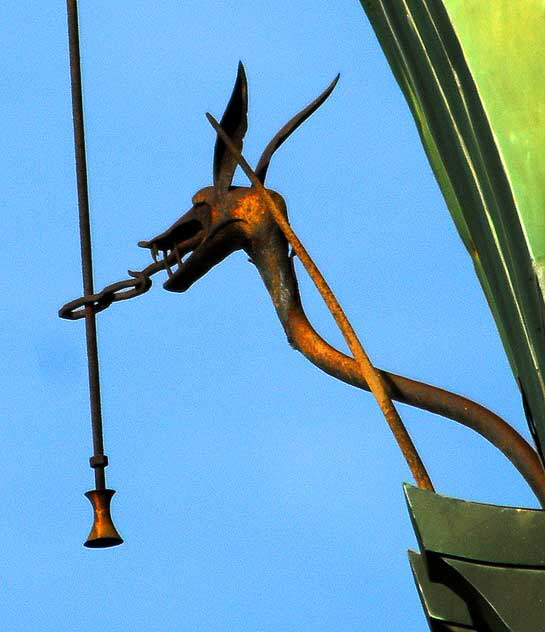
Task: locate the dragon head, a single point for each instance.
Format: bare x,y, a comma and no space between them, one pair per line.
223,218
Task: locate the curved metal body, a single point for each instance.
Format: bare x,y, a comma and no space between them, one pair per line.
277,270
231,218
225,218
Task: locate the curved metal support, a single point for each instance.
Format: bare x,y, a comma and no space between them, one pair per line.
492,427
276,269
373,377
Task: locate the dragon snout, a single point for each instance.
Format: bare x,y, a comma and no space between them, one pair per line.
173,248
192,246
177,234
176,242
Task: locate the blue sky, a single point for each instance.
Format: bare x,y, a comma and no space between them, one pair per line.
254,493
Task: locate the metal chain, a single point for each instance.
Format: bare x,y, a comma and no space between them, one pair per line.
138,284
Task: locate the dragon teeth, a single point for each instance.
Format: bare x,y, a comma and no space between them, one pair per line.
177,253
167,265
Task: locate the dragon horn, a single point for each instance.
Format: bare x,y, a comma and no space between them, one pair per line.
289,127
235,123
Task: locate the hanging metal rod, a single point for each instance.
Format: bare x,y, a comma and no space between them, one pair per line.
99,460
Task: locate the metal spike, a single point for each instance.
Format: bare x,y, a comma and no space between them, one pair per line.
288,129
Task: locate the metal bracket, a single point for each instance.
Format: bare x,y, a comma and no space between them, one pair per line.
480,567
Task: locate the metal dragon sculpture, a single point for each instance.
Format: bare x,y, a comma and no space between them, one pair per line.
462,581
226,218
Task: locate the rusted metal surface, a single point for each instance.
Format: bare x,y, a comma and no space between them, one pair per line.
224,220
366,369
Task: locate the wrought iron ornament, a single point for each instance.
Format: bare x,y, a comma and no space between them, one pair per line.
225,218
464,583
459,590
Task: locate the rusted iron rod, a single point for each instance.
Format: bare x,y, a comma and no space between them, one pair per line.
425,396
490,426
99,460
370,374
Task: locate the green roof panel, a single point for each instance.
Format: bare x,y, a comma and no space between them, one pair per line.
472,74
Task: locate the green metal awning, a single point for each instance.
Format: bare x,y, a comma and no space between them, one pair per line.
473,75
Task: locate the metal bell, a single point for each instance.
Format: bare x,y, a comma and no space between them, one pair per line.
103,533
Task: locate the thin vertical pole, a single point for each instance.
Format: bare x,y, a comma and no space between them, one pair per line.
98,461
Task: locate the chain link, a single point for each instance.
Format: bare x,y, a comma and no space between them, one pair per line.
120,291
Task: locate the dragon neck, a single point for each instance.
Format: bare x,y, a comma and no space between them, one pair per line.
278,273
271,257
